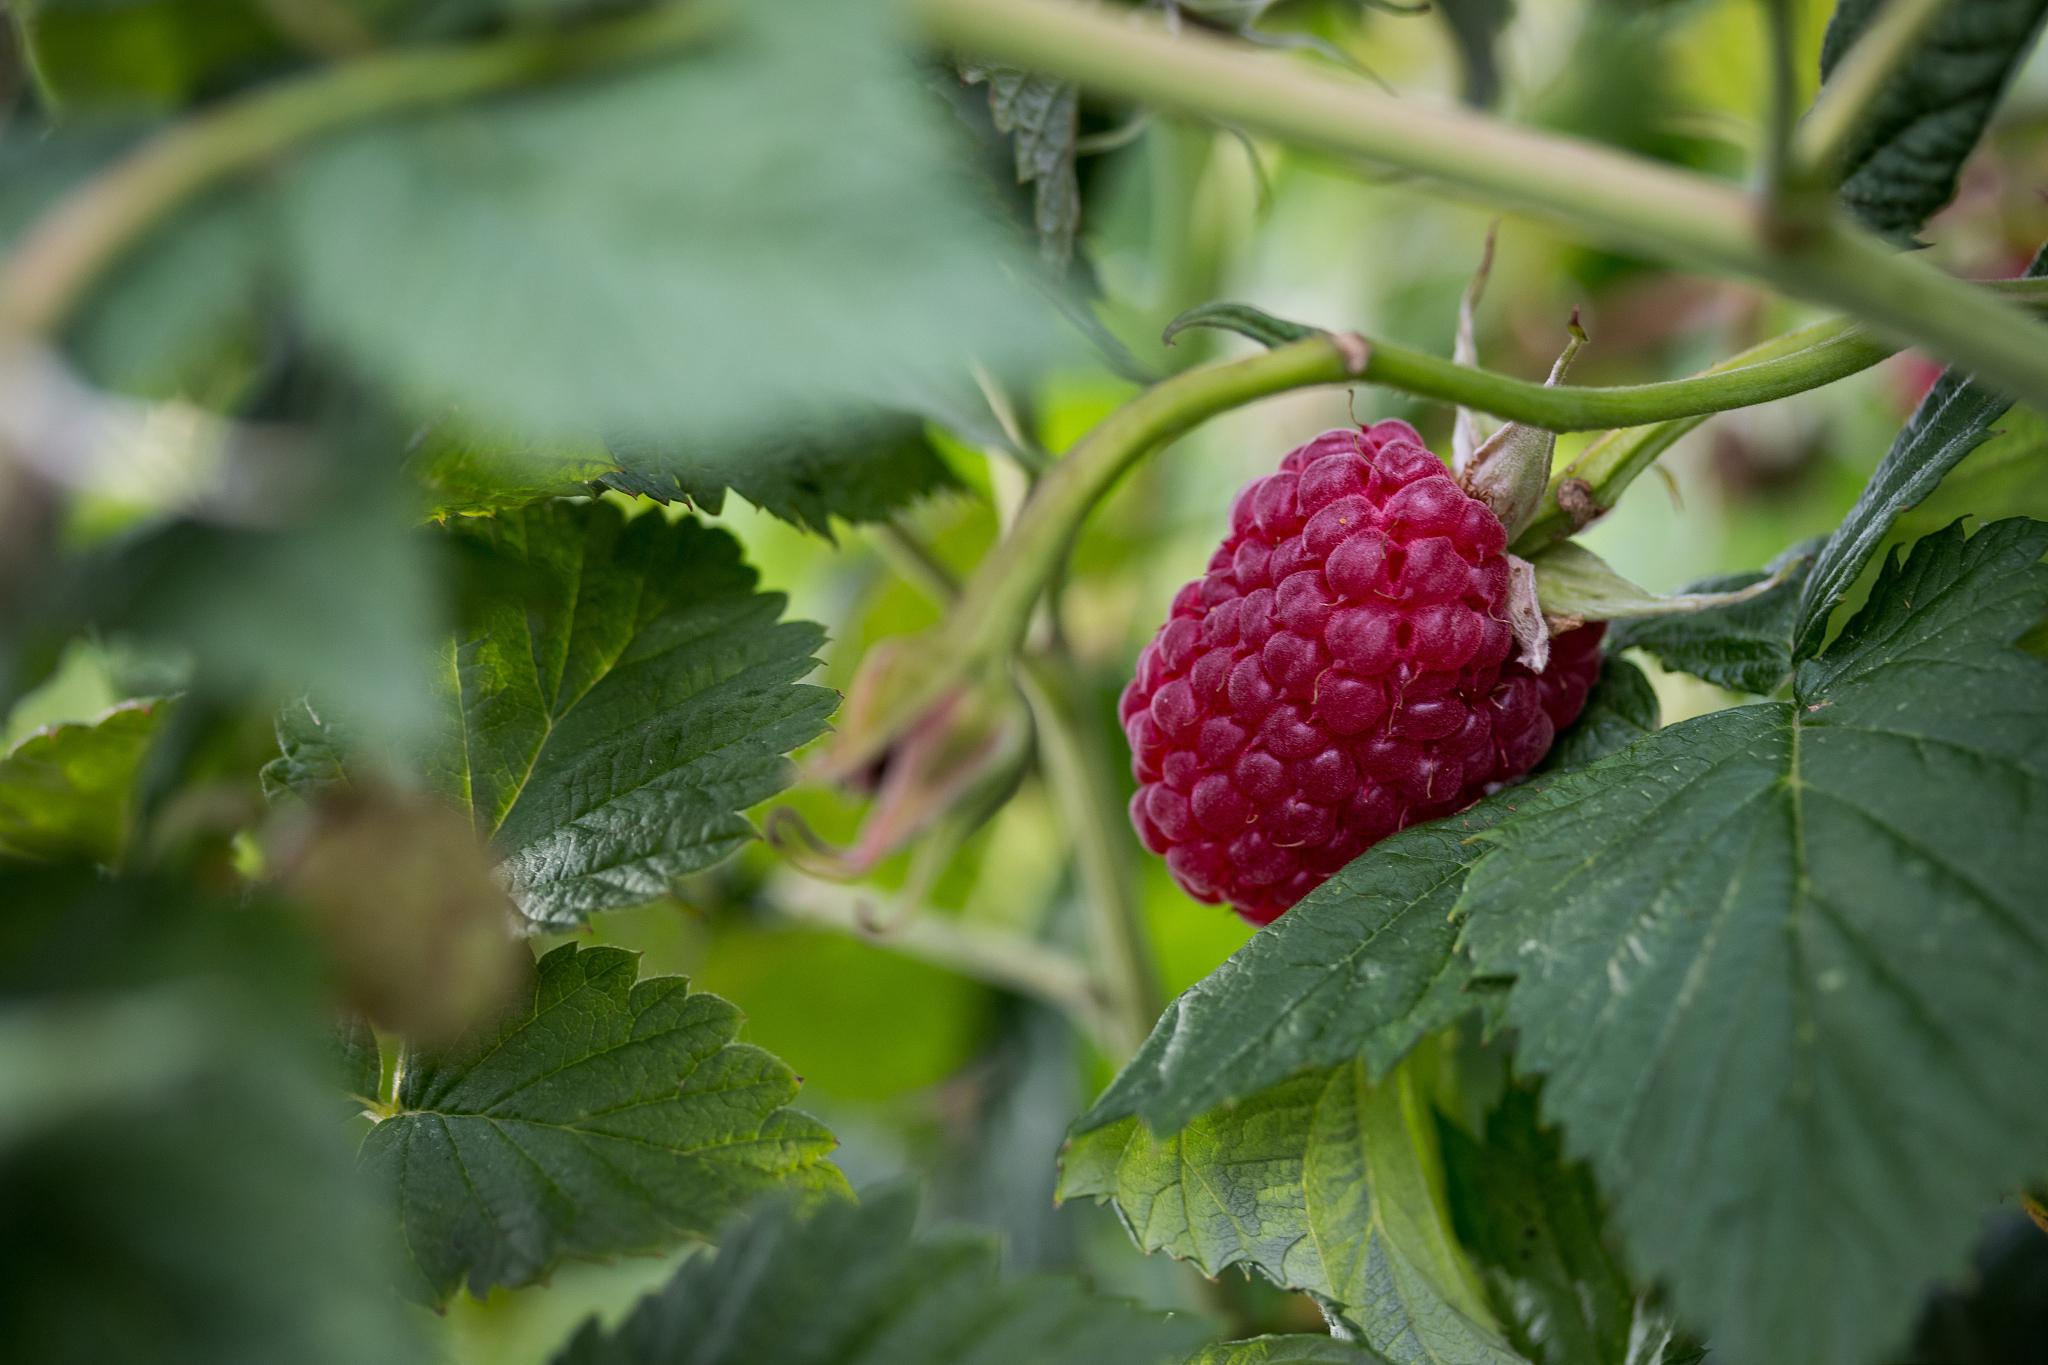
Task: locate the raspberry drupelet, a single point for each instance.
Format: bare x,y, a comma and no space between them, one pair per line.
1340,672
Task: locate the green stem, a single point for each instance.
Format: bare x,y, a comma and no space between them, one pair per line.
1777,177
1625,200
73,244
1823,137
1087,786
998,957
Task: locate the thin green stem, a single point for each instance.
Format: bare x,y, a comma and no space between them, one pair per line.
998,957
73,244
1084,779
1823,137
1624,200
1777,176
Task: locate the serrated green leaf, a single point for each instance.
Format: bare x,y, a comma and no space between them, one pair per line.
620,695
1289,1350
599,1116
1364,966
1902,163
624,692
68,791
1042,118
1785,966
1325,1184
1952,420
684,248
1534,1225
848,1285
1746,647
864,467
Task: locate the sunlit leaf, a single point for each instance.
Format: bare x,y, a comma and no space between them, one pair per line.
600,1115
68,791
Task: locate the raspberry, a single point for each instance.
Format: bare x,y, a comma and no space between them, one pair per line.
1340,672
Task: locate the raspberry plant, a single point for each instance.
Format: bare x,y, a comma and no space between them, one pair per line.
426,429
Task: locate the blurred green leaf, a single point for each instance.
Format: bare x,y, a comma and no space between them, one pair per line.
1324,1183
1364,967
1534,1225
621,694
847,1285
1784,966
69,791
153,54
1904,160
178,1183
1294,1350
685,252
598,1116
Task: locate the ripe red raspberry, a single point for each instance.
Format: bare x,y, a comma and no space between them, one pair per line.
1340,672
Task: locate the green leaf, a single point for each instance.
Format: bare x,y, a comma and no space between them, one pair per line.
1325,1184
621,693
848,1285
1290,1350
1785,966
624,694
1364,967
1746,647
1042,118
1621,709
144,54
68,791
1241,318
1952,420
1534,1225
864,466
179,1190
685,249
599,1116
1903,162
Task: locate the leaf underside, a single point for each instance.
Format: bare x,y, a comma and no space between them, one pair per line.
600,1116
848,1285
1784,966
1904,159
1325,1184
67,791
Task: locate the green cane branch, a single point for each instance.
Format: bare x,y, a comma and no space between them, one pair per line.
1626,201
56,262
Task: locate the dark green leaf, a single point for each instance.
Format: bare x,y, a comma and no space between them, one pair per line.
1475,27
1294,1350
1534,1225
68,791
1042,117
1903,161
865,466
598,1116
1242,319
1952,420
1746,647
691,245
624,693
178,1188
134,54
1365,966
1785,965
362,1062
848,1285
621,694
1324,1184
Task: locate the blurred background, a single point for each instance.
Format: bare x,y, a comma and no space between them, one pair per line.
923,1069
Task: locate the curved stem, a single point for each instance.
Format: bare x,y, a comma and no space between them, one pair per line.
1625,200
74,243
